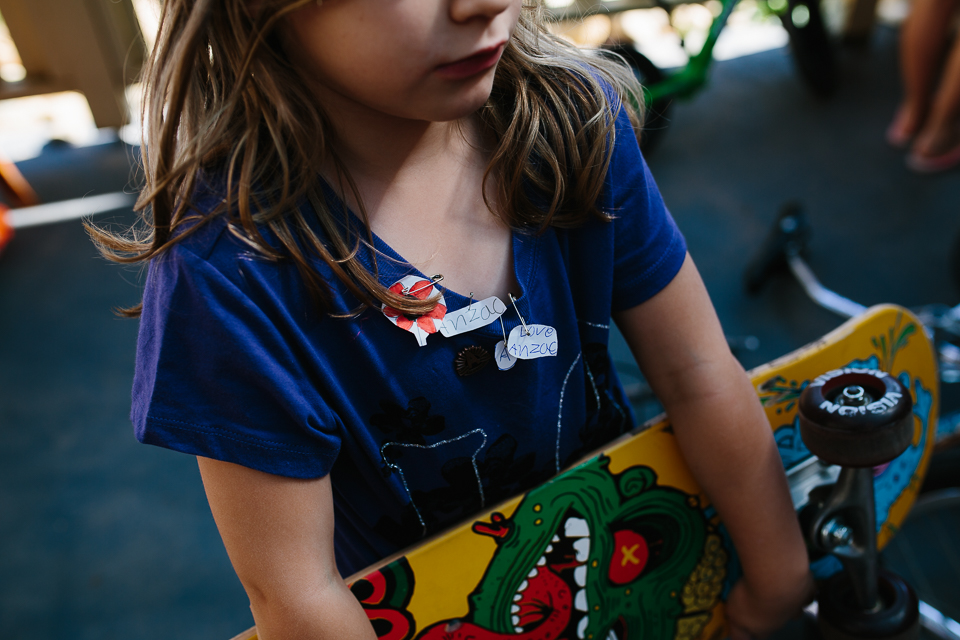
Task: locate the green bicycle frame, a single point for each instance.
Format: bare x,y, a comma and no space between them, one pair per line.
693,75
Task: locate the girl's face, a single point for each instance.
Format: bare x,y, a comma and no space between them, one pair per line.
428,60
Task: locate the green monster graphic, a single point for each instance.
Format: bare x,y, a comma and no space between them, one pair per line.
593,555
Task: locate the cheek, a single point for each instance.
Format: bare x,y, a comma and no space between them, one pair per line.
373,72
365,51
511,15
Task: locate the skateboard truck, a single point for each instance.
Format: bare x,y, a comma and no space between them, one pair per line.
859,419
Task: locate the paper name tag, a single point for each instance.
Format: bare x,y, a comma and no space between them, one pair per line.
534,341
503,358
478,314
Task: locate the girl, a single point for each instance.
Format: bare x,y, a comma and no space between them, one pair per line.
310,166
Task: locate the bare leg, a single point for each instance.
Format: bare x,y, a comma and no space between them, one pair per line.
922,41
941,131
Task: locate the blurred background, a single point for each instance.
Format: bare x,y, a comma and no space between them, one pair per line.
101,537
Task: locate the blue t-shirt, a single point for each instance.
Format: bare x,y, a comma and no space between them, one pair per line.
235,364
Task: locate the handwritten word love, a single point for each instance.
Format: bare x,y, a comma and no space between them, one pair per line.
532,341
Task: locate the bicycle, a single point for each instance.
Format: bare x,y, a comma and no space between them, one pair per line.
812,50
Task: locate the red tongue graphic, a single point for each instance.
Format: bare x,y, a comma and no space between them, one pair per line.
545,591
546,601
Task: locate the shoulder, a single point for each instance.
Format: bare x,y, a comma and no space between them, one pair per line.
209,274
211,234
607,111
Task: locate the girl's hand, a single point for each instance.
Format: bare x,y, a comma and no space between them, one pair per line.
754,613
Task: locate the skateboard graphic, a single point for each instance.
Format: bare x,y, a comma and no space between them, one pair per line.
625,545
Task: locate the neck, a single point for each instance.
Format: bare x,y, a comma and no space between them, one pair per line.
378,147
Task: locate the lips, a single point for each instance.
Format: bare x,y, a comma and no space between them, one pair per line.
472,65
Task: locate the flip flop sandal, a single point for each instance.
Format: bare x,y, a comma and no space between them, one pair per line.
934,164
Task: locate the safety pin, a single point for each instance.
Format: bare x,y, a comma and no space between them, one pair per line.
470,304
504,330
433,280
513,301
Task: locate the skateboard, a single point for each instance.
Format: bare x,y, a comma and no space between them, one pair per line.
625,545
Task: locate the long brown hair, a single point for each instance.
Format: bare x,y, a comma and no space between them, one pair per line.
222,96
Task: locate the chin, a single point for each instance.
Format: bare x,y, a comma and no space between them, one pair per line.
465,103
456,114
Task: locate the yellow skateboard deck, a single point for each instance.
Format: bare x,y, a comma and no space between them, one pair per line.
625,545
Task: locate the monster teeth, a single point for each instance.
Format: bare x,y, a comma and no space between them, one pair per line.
533,573
580,601
549,548
582,547
523,586
518,597
515,620
514,608
576,528
518,629
555,539
612,635
582,627
580,575
541,562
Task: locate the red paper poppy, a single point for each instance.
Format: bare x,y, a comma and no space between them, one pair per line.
422,289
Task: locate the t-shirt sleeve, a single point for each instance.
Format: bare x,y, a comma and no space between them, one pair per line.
216,376
648,247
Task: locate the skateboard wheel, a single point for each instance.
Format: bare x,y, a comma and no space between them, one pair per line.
898,617
856,417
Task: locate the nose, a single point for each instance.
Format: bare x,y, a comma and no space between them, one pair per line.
467,10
